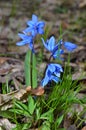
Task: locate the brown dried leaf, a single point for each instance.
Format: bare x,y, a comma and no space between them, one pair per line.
6,99
84,128
82,4
22,94
3,60
10,66
38,91
4,71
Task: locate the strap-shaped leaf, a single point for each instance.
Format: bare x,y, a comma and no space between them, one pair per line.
31,105
34,71
28,68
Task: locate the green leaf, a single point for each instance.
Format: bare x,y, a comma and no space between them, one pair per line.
22,126
38,113
31,104
26,126
48,115
7,114
46,126
18,127
61,129
34,71
20,108
20,112
59,120
28,68
21,105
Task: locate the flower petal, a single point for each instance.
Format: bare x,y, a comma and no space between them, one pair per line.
21,43
34,32
34,18
51,67
41,24
45,81
28,29
51,43
57,74
22,36
70,46
45,45
30,23
57,54
55,79
40,31
59,67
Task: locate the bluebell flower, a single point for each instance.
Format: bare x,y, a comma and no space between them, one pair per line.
53,47
49,44
35,26
69,46
52,73
26,39
57,52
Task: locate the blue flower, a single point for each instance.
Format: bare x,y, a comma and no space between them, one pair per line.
35,26
69,46
26,39
53,72
49,44
54,48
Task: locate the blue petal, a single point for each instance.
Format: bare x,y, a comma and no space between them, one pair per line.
34,32
59,67
57,54
29,29
25,37
22,36
57,74
45,81
55,79
70,46
51,67
45,45
51,43
41,24
21,43
55,49
48,73
40,31
34,18
30,23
